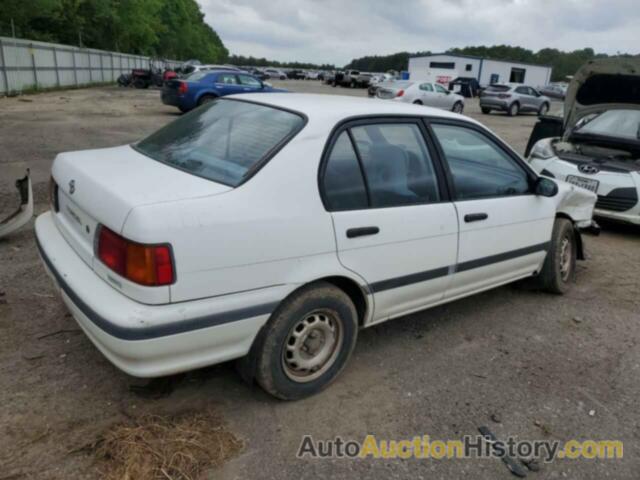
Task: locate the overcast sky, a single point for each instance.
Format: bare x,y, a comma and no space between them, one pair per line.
335,31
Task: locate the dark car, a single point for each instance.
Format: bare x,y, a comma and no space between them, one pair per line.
202,87
469,86
296,75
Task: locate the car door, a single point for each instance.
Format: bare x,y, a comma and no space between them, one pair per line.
228,84
526,100
394,224
536,98
504,228
428,95
443,98
249,84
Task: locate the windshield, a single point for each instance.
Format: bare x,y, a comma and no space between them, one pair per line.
224,141
614,123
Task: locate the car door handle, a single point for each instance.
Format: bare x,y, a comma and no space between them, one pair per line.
362,231
475,217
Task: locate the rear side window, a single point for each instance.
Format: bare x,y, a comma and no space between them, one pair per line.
224,141
227,78
343,183
396,164
427,87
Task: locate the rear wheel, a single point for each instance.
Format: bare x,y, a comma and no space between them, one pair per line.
514,109
559,269
486,110
206,99
418,102
458,107
544,108
307,342
140,83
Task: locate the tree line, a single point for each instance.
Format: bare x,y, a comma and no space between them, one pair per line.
563,63
172,29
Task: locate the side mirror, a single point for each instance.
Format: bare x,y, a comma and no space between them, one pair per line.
545,187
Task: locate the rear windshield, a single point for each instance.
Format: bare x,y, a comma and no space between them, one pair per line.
498,88
224,141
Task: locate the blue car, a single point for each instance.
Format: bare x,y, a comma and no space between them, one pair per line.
203,86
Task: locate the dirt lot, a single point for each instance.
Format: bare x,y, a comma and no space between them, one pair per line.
545,367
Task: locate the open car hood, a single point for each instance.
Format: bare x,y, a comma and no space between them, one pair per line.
602,84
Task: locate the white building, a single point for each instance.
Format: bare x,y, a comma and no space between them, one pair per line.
439,66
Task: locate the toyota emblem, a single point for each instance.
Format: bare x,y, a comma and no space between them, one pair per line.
72,187
588,169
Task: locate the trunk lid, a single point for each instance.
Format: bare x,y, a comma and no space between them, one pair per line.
600,85
103,186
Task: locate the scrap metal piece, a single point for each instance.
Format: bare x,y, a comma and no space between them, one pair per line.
24,212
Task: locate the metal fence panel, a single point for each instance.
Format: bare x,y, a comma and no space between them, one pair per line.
27,65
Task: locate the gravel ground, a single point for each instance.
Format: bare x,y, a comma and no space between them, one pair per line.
546,367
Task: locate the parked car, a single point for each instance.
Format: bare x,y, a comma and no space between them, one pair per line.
296,74
203,87
329,78
513,99
423,93
190,68
348,78
275,73
596,145
554,91
24,212
311,75
259,74
211,240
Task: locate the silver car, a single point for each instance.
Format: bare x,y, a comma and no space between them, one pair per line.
513,99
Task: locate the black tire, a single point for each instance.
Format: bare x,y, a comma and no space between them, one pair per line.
275,362
206,99
486,110
544,108
183,109
418,102
353,84
140,83
559,269
458,107
514,109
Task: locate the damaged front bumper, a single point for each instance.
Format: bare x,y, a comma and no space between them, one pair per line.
25,210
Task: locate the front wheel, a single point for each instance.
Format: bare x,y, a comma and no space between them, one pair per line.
307,342
559,269
486,110
417,102
513,110
458,107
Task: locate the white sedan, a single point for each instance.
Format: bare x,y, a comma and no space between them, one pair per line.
272,227
422,93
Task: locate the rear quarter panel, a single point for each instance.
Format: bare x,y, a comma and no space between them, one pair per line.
272,230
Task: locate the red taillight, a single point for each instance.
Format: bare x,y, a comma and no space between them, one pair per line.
504,95
400,93
150,265
182,88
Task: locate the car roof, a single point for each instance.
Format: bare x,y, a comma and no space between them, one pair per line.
334,108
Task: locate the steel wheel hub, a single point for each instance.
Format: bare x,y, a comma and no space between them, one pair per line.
565,259
312,346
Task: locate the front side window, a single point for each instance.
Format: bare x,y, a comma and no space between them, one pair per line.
440,89
480,168
522,91
222,141
396,164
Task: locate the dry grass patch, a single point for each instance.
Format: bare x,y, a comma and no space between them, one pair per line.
154,447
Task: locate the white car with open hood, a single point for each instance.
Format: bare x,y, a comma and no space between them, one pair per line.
272,227
597,143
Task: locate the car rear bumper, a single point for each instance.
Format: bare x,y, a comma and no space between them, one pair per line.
152,340
493,103
170,98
